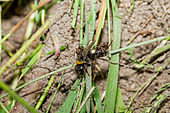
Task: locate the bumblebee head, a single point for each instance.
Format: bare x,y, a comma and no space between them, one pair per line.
79,50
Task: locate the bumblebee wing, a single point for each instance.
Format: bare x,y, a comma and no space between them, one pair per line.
88,47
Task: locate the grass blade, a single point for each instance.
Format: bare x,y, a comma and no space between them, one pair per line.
92,19
108,19
17,97
66,107
147,83
23,48
101,19
159,92
89,35
86,98
80,95
9,107
48,74
81,25
0,34
139,44
111,88
76,4
45,92
88,86
4,109
85,41
54,95
120,106
97,99
31,63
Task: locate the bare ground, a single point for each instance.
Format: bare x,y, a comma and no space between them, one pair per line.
129,79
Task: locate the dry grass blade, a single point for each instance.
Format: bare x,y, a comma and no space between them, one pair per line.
86,98
4,108
23,48
100,21
146,84
16,27
19,24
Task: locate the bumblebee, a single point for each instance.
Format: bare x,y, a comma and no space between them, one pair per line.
86,57
99,51
82,61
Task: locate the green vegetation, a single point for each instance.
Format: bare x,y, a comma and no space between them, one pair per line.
84,95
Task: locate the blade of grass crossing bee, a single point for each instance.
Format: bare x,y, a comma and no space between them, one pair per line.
89,35
88,86
85,42
66,107
111,88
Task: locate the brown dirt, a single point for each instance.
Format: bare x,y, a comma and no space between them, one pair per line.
129,79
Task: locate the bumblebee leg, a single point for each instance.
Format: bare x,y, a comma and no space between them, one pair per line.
87,72
93,71
99,70
111,43
85,66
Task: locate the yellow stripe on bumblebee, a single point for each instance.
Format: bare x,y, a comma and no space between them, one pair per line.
80,62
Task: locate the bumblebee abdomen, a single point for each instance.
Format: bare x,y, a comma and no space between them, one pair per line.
80,69
100,53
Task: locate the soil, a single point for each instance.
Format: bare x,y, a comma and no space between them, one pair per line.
130,80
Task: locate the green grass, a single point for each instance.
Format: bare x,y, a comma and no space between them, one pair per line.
17,97
84,95
112,81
